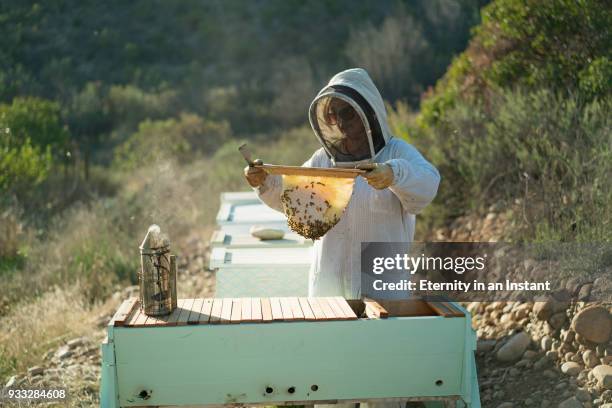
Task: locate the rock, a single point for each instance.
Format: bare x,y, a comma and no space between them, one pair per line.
590,358
571,403
583,395
484,346
557,320
63,353
573,285
603,375
601,350
514,348
11,382
593,323
542,363
546,343
550,374
505,405
524,364
571,368
585,292
559,302
530,354
75,342
36,370
567,336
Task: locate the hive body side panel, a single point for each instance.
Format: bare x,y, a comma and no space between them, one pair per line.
235,363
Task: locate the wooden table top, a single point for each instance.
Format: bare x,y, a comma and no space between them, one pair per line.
237,310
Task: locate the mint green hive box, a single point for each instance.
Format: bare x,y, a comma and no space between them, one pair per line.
259,271
414,354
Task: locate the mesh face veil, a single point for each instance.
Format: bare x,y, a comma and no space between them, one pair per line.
346,126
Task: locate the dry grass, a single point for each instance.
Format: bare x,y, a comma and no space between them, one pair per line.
37,326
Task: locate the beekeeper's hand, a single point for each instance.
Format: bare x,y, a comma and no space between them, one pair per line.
255,176
380,177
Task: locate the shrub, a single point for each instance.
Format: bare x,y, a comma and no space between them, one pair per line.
32,138
550,152
181,139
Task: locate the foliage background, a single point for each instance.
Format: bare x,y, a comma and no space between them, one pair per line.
116,115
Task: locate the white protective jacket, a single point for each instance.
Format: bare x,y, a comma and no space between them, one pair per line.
372,215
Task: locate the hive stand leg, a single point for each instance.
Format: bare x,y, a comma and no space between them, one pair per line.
475,388
108,382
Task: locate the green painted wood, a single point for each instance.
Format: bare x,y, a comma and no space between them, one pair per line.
347,360
109,397
253,272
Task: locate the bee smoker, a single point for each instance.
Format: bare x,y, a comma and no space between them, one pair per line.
157,276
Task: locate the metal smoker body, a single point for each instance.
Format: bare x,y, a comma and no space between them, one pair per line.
157,277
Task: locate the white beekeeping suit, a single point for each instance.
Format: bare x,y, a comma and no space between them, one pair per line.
373,215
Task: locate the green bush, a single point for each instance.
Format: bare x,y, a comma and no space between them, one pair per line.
550,152
32,139
563,45
181,139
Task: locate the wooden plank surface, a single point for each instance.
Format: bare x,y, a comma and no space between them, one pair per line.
296,309
215,314
266,310
206,311
277,312
445,309
249,310
124,312
194,316
343,308
374,310
157,320
141,320
176,313
246,310
335,307
327,309
456,312
185,312
226,310
306,309
134,315
256,315
236,316
286,308
316,309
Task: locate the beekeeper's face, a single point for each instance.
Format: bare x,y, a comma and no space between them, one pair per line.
345,130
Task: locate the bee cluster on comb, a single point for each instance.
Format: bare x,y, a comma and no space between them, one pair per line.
313,205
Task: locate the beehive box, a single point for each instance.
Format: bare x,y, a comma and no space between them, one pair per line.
261,271
223,238
196,356
240,216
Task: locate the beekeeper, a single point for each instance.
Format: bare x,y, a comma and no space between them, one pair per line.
349,119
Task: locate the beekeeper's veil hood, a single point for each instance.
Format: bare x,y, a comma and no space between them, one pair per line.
349,118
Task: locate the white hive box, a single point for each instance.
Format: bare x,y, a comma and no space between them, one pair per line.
240,216
239,197
244,272
223,238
